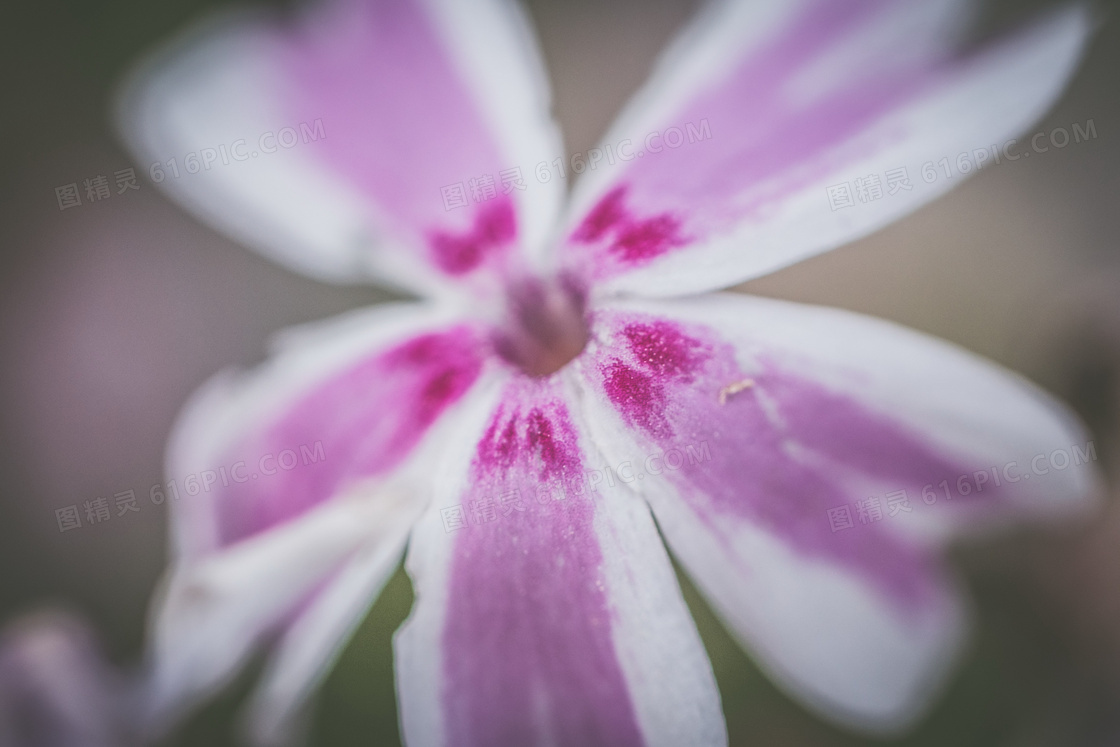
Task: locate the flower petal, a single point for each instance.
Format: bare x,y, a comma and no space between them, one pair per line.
213,612
755,419
326,144
336,427
343,401
555,617
760,108
56,689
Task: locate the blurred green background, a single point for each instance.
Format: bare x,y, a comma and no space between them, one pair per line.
114,313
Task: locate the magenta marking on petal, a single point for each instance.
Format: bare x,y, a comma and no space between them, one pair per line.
528,653
670,384
367,419
662,348
630,239
606,216
664,355
494,229
642,240
638,395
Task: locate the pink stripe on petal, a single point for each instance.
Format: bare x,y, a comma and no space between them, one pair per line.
770,462
841,429
401,126
766,120
528,653
629,239
764,145
367,418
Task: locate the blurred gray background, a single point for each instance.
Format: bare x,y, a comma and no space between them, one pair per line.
114,311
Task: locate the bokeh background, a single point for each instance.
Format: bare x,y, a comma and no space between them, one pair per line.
114,311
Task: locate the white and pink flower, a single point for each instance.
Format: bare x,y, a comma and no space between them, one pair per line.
57,689
560,335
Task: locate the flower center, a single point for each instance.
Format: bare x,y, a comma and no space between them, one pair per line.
545,325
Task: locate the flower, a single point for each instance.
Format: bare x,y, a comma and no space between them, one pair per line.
56,690
564,385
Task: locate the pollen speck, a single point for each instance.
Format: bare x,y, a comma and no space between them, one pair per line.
733,389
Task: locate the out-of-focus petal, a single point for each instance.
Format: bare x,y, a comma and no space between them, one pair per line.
213,612
553,617
897,408
295,485
754,427
341,402
760,108
55,688
312,643
327,143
